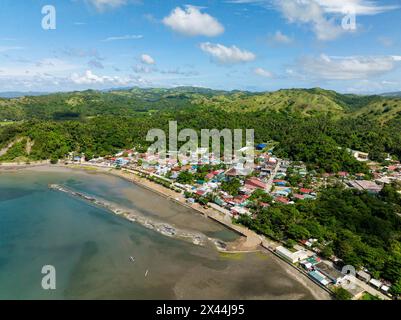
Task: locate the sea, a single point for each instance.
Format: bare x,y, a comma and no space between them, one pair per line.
99,255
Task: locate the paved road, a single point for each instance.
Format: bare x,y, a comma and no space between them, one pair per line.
270,181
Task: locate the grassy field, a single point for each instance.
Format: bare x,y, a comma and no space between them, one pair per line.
7,123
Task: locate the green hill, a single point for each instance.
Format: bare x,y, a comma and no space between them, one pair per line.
131,102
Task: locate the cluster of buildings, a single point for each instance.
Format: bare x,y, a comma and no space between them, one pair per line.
380,175
329,273
268,175
272,180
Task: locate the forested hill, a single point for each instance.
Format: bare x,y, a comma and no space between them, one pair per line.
129,102
311,125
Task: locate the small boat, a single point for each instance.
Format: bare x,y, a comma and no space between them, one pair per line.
132,259
146,273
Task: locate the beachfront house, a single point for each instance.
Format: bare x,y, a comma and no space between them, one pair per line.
319,277
291,256
364,276
375,283
330,272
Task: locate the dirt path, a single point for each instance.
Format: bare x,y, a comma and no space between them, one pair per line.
6,148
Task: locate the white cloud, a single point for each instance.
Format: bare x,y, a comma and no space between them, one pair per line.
147,59
361,7
347,68
126,37
89,78
323,16
311,13
281,38
263,73
371,87
192,22
227,55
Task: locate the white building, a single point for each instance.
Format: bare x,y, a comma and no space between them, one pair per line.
292,256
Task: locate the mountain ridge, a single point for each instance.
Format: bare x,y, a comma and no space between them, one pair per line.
131,101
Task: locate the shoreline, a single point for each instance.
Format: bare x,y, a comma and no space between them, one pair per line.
247,243
164,228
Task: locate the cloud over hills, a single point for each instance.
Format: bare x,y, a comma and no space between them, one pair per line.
190,21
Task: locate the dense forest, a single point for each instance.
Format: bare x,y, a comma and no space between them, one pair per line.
319,141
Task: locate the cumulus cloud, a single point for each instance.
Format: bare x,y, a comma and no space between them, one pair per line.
347,68
191,21
263,73
311,13
147,59
227,55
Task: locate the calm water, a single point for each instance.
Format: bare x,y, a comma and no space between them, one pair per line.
90,247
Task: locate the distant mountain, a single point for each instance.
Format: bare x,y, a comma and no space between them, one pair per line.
17,94
134,101
302,101
392,94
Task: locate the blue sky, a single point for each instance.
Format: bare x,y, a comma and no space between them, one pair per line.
257,45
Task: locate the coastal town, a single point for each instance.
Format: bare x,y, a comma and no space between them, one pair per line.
235,190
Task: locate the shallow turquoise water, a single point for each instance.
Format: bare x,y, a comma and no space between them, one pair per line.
90,247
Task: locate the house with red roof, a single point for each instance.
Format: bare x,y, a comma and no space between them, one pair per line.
200,192
282,200
209,176
305,191
254,183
